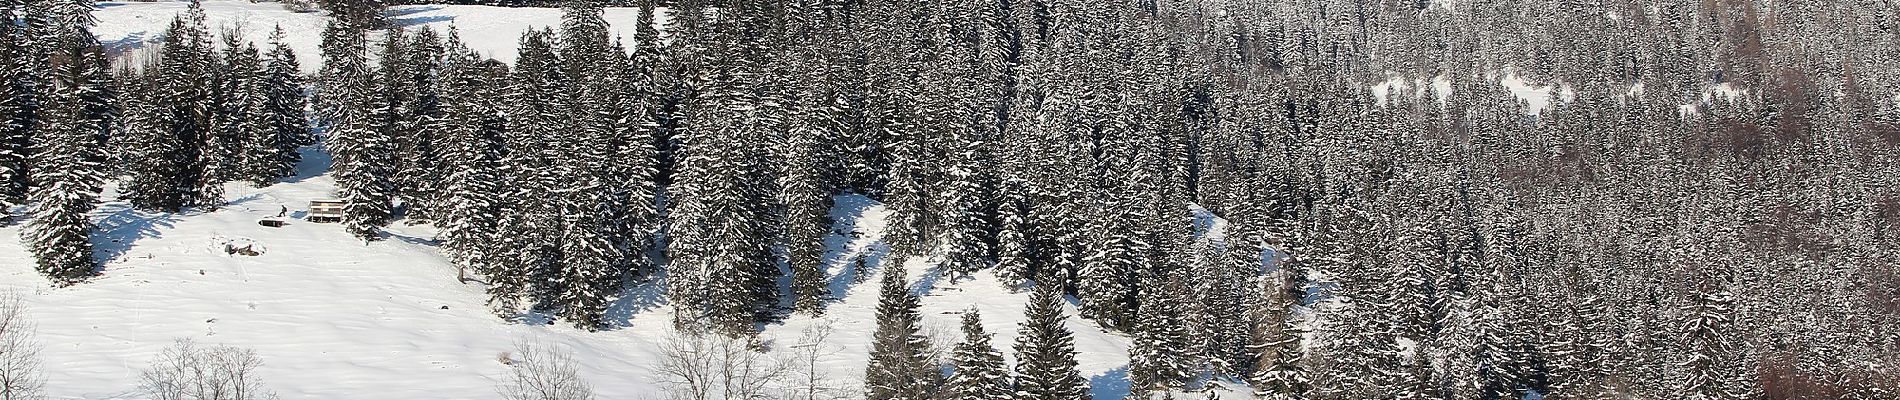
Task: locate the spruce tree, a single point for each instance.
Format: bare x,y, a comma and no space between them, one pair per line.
1045,351
540,132
720,229
1710,367
66,190
67,174
590,265
807,221
173,171
234,97
358,148
417,171
1161,358
1013,255
1106,283
600,217
473,148
901,366
966,235
980,372
20,85
281,126
1221,294
630,170
1280,372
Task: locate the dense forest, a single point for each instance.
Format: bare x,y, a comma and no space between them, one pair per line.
1705,206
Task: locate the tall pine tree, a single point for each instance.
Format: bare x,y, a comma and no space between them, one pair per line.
173,170
1045,351
358,121
21,80
281,128
980,372
67,174
901,366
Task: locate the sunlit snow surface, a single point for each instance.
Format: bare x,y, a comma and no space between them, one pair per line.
334,317
127,27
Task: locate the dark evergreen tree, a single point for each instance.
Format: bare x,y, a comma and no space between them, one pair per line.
1711,363
1162,357
473,148
19,106
416,171
629,165
723,273
1280,369
1220,319
1013,257
1045,351
539,132
1105,283
67,174
358,125
280,125
807,221
359,14
902,363
980,371
173,170
234,97
591,260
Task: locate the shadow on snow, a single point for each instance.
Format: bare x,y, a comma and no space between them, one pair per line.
122,226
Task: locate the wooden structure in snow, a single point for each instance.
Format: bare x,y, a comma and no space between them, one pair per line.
325,211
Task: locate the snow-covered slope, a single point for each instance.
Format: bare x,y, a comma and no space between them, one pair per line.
335,318
126,27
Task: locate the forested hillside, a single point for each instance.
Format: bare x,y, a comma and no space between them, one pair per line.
1704,204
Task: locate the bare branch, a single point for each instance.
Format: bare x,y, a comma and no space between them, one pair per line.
542,372
21,375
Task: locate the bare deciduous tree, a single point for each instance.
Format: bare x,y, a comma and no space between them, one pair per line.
20,371
187,371
709,366
809,381
542,372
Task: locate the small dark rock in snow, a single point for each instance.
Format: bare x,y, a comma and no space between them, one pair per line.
445,307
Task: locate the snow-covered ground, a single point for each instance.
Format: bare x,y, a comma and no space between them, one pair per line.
126,27
336,318
1536,96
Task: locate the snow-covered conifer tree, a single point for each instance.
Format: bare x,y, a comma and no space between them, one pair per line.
357,141
1162,355
281,126
67,174
172,170
20,85
902,365
980,372
1045,351
417,163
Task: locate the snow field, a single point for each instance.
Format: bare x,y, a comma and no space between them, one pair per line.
126,27
335,318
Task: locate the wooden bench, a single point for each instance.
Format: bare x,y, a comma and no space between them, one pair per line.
325,211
